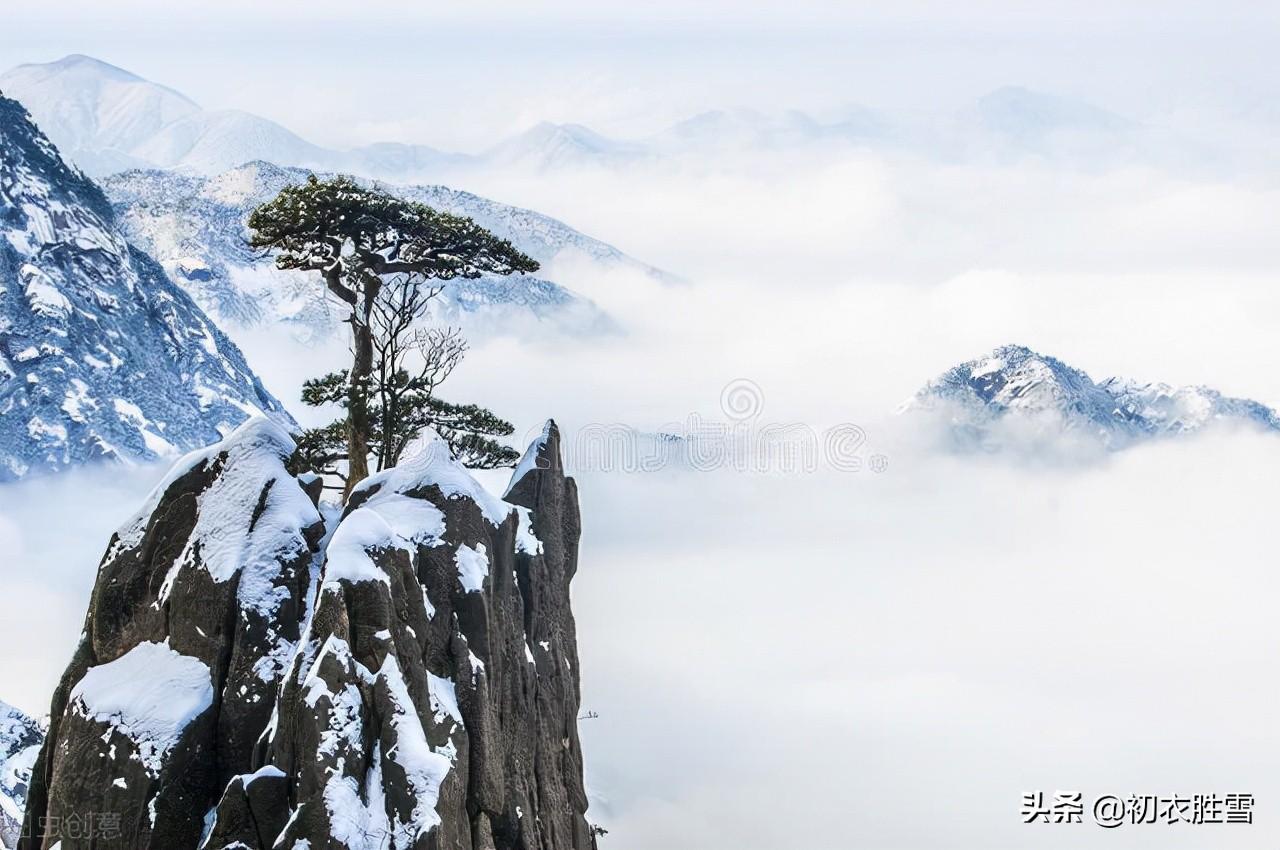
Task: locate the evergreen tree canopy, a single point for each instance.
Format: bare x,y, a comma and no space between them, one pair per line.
377,253
349,232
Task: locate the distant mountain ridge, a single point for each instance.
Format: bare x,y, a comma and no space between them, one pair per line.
196,227
102,357
1015,397
110,120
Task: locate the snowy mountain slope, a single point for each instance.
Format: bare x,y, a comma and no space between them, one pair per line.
20,740
95,113
540,236
547,146
210,141
101,356
107,119
1017,398
1018,112
195,227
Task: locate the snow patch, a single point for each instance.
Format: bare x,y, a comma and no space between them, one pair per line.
529,461
473,567
150,694
427,461
347,557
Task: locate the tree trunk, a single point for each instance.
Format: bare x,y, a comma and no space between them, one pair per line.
358,405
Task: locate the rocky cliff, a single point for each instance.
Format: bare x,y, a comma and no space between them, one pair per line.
248,677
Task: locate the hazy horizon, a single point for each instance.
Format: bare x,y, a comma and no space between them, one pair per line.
465,80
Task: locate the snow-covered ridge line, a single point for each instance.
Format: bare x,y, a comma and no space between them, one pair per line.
110,120
1016,397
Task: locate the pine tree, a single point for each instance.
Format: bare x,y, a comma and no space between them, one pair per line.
401,404
376,252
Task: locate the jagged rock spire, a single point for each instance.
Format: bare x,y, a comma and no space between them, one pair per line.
427,697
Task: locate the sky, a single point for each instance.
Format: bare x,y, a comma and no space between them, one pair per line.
461,78
832,660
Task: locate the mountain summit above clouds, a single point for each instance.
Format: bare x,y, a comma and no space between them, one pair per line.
108,120
98,115
1016,398
102,357
254,675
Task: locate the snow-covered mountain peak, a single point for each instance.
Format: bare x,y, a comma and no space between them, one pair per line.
1017,395
1014,377
247,183
209,141
547,145
95,113
1018,110
78,63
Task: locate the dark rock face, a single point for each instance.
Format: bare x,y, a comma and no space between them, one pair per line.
420,691
193,618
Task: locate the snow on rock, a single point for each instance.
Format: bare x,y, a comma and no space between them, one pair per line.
150,694
1020,401
195,615
376,689
347,557
428,461
425,767
526,540
529,460
473,567
394,724
103,357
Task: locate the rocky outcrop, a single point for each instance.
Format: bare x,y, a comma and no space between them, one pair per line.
194,616
408,681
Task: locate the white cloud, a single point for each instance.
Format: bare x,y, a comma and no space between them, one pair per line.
857,660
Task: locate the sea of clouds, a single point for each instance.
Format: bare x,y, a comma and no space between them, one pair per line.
871,659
